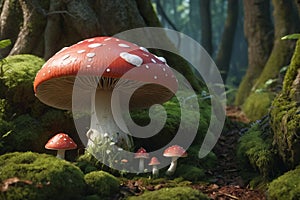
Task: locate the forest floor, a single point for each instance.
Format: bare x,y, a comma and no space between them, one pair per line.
227,184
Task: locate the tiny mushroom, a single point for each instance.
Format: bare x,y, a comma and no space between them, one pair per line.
154,163
141,154
100,64
174,152
61,142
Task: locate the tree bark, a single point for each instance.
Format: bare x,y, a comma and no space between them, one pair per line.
206,29
258,31
224,52
286,22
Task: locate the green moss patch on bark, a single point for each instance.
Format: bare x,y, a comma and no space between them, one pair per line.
285,118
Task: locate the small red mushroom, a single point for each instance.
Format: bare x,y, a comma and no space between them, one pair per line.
104,61
174,152
61,142
141,154
154,163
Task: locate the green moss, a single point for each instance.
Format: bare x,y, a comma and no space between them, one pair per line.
285,119
286,186
174,117
255,151
190,173
257,105
17,83
102,183
292,70
176,193
41,177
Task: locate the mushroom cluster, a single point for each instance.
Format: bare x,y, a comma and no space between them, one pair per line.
101,63
174,152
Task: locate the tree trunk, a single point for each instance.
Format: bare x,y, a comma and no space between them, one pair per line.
48,26
286,22
259,34
206,30
224,53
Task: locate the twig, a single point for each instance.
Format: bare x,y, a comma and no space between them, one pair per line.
228,195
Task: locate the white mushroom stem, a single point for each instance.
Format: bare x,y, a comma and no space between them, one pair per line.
102,120
141,165
172,167
61,154
155,171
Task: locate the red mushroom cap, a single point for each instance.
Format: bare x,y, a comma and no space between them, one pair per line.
61,141
141,153
175,151
104,57
154,161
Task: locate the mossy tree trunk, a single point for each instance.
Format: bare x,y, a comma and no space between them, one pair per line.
258,31
285,114
43,27
225,49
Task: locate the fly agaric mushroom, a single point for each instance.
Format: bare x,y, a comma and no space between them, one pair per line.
154,163
141,154
101,62
61,142
174,152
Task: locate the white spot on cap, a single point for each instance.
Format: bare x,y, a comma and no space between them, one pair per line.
144,49
146,55
94,45
155,77
81,51
153,60
107,70
123,45
131,58
91,40
164,69
90,55
162,59
80,42
147,67
117,40
166,75
88,66
106,39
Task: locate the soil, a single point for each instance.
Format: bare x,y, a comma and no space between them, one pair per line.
227,184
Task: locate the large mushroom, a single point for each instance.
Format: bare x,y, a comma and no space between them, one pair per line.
174,152
61,142
101,62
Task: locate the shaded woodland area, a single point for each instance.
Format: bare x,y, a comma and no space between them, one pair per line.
255,45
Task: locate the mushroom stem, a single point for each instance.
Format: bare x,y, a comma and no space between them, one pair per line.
172,167
141,165
61,154
155,171
103,120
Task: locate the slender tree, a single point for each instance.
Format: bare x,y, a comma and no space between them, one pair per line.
225,49
206,29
